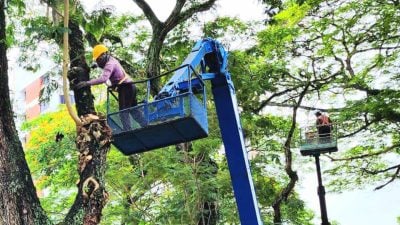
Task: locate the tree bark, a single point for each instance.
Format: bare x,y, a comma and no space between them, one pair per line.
208,212
293,177
19,203
93,142
153,67
79,71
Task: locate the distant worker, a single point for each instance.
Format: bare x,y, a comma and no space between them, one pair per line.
324,126
115,76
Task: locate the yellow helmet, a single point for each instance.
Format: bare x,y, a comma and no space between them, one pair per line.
98,50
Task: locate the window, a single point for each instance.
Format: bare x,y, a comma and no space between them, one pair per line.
45,80
44,106
71,98
23,94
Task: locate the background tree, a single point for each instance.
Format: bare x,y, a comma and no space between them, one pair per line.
93,141
182,11
348,51
19,203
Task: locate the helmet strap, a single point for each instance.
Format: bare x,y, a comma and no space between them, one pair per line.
103,59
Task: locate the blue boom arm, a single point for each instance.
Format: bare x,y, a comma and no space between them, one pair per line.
211,59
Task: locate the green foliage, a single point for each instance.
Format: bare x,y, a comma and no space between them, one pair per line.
53,163
347,51
166,185
292,15
10,34
15,7
222,25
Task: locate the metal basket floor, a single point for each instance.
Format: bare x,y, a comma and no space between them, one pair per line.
318,146
159,124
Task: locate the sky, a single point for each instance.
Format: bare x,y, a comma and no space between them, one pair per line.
366,207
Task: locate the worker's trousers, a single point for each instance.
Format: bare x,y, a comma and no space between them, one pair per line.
127,99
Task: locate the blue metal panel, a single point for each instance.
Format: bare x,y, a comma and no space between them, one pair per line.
192,60
164,122
232,135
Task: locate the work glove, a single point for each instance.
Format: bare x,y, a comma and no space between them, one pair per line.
94,65
82,84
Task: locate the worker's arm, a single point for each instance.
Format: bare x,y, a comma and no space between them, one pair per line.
108,68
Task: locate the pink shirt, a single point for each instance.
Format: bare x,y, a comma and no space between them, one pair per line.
112,71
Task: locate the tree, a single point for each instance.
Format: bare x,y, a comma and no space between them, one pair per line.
364,52
182,11
197,161
19,204
79,72
93,142
345,49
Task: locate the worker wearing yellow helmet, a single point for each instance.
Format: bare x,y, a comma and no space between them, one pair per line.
116,75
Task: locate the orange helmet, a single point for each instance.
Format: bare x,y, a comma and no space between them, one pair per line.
98,50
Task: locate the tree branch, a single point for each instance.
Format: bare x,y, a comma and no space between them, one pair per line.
176,11
265,102
284,194
386,150
364,127
375,172
177,18
395,175
278,104
149,13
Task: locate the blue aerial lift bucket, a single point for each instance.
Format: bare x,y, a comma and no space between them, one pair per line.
160,123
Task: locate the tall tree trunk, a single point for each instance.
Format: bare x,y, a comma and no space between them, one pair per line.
19,203
93,142
208,215
293,177
79,71
208,212
153,60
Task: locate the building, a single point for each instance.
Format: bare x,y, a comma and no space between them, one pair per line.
53,96
43,94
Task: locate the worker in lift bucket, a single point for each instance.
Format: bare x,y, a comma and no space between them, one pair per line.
115,76
324,127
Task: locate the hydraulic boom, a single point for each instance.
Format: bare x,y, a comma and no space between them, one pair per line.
210,57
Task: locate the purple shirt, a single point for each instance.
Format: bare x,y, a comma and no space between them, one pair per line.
112,71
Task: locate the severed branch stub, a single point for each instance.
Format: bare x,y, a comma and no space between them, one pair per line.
93,142
86,192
